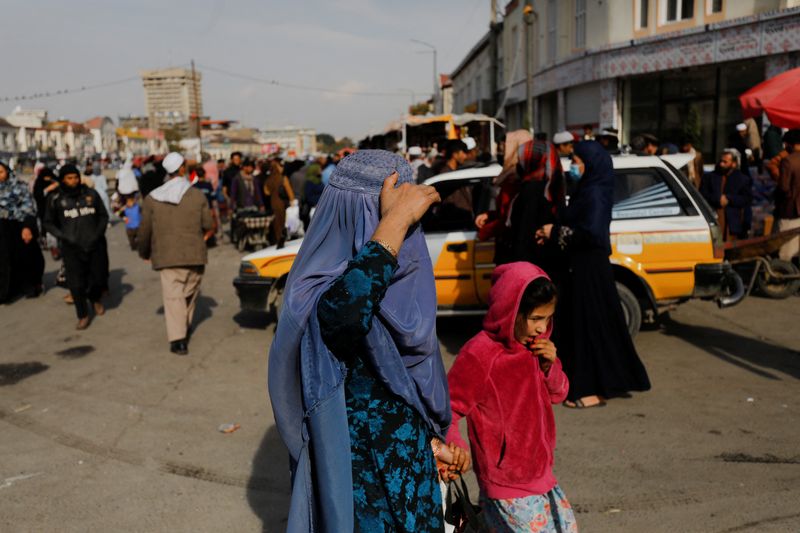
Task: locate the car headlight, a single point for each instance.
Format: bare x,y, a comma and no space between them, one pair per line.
246,268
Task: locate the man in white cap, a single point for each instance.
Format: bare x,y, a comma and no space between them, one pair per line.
563,142
738,140
176,222
416,160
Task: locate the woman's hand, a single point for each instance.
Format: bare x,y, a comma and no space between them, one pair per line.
480,220
543,233
401,208
452,460
53,186
27,235
406,203
546,351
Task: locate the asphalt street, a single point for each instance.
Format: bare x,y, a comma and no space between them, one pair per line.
105,430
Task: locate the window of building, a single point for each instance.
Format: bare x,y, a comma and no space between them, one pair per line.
580,23
552,30
679,10
643,14
714,6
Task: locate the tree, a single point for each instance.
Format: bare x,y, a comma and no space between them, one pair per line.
173,138
325,141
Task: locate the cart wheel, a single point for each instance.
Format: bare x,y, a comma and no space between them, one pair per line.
772,288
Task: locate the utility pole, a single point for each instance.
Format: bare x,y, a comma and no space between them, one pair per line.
528,15
435,80
197,114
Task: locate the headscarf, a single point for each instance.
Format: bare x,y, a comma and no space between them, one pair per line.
306,380
539,161
514,140
590,206
16,201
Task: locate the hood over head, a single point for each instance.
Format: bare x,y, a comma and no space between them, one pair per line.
509,282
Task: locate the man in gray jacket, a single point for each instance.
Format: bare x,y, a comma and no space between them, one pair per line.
176,222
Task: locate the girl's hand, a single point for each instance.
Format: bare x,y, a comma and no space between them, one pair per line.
451,460
546,351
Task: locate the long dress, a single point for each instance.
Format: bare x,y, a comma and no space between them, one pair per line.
395,485
590,331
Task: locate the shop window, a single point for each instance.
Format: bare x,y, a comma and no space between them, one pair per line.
643,193
714,6
580,23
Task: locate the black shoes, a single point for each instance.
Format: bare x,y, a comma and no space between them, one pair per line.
179,347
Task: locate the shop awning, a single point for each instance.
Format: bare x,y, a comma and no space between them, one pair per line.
778,97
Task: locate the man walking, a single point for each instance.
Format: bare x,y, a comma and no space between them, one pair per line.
176,222
787,204
76,216
730,192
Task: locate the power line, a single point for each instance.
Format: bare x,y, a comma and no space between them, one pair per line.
303,87
61,92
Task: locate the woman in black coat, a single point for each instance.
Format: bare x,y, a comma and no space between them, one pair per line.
590,332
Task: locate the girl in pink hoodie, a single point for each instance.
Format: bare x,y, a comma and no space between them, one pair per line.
505,380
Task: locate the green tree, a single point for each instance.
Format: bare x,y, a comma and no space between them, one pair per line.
173,138
325,142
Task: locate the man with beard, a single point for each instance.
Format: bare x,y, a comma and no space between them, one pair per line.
730,192
76,215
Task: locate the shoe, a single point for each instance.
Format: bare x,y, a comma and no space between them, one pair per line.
68,299
83,323
179,347
99,310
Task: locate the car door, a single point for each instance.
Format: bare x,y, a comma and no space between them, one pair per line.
450,235
657,231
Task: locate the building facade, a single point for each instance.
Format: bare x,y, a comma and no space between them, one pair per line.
673,68
173,99
290,141
104,135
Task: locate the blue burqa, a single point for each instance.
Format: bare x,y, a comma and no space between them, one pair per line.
306,381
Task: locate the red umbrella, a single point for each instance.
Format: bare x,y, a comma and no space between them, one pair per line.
778,97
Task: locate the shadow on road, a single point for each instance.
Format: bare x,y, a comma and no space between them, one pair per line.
254,319
269,486
753,355
117,290
455,331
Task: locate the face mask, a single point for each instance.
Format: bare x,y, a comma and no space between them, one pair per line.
575,172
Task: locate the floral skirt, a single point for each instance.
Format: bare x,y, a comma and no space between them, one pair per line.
549,513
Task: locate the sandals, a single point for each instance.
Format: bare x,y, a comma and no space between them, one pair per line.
578,404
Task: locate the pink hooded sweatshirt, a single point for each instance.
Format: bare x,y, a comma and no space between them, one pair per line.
497,383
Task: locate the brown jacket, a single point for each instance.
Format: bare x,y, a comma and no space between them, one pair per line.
773,166
787,204
172,235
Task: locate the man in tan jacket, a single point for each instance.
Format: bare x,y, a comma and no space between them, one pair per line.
176,222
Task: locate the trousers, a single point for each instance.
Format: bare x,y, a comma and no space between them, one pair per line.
180,288
87,274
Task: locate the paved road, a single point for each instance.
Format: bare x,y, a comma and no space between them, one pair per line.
105,430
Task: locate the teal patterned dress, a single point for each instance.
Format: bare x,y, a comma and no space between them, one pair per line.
395,485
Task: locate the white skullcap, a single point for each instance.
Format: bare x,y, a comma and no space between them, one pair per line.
415,150
172,162
470,142
741,126
563,137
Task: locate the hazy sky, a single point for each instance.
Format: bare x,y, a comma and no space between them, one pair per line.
347,45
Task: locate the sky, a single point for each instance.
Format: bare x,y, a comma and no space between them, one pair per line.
351,46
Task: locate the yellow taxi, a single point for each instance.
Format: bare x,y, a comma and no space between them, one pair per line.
666,245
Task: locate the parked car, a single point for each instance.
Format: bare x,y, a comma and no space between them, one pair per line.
666,245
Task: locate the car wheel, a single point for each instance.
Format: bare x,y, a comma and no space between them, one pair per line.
630,308
277,303
778,290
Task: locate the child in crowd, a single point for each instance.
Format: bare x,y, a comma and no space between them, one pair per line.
207,189
505,380
132,215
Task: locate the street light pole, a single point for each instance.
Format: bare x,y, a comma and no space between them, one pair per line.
435,81
528,14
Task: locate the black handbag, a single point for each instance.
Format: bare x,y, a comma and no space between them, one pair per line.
460,511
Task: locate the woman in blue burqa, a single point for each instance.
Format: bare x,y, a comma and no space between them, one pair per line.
356,381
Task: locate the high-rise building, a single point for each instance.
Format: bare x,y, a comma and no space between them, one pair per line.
173,99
